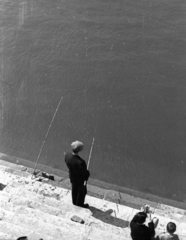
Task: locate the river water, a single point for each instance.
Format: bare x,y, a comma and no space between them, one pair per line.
119,67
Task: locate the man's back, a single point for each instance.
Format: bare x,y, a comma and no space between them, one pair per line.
78,172
168,236
141,231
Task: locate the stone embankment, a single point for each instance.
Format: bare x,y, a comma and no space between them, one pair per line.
40,208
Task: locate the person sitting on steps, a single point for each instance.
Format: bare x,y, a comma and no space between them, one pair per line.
22,238
139,230
170,233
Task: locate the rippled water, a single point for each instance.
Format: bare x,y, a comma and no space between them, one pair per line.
120,67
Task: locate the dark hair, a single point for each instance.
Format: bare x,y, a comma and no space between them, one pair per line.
171,227
23,238
75,150
141,217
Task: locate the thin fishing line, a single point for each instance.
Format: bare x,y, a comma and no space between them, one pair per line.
47,134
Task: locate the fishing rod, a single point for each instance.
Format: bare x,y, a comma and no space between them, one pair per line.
90,153
85,183
46,135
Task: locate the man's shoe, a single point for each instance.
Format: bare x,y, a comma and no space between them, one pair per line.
85,205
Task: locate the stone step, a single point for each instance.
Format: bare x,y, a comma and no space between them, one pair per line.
58,221
31,220
46,205
64,231
118,211
3,168
58,193
103,221
8,210
5,163
14,231
165,213
97,234
14,170
42,193
161,210
35,186
4,236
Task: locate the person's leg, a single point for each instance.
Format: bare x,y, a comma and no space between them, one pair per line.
155,221
82,191
74,194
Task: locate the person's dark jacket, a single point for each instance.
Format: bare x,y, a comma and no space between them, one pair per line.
78,172
141,231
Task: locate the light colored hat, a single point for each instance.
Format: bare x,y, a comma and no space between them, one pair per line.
77,146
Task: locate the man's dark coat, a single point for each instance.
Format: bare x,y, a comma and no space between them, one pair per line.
78,172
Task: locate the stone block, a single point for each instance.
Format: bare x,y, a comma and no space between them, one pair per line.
4,236
10,170
1,215
95,233
77,219
17,172
16,167
10,209
16,231
58,179
4,196
3,168
9,229
22,173
5,163
30,170
20,201
23,168
46,228
6,215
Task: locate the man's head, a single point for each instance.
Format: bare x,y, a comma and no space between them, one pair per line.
77,146
171,227
141,217
23,238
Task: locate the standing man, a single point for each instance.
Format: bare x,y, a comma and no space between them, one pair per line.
78,174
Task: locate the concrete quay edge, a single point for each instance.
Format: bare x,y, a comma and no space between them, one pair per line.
165,212
123,196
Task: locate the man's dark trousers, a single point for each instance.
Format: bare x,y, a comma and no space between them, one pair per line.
78,194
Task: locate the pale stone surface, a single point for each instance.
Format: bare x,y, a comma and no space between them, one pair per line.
40,210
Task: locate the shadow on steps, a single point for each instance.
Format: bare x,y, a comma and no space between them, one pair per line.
2,186
106,217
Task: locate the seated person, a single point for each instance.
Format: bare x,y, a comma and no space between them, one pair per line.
169,234
23,238
139,231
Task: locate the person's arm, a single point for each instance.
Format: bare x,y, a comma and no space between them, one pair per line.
151,223
84,172
151,228
161,236
133,221
150,216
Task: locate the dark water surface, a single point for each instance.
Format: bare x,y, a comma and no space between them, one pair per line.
121,69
